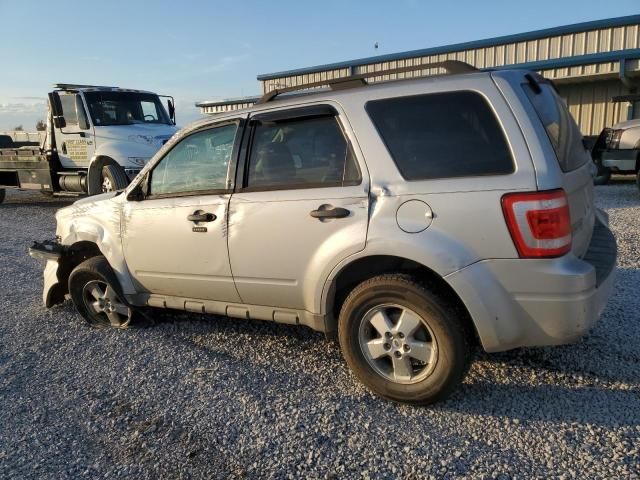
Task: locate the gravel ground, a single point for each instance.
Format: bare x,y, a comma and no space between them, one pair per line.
206,397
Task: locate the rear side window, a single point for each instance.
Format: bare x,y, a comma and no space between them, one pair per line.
562,130
442,135
301,153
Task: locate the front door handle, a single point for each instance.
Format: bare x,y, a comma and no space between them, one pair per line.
329,211
200,216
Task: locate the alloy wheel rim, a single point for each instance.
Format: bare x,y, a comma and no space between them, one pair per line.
104,305
107,186
398,343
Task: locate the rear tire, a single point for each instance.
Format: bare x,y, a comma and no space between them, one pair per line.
402,341
3,194
638,179
96,293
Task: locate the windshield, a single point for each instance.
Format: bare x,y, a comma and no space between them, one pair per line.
125,108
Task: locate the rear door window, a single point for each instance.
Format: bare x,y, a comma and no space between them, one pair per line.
561,128
309,152
442,135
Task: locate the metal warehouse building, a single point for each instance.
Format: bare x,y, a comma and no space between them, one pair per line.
595,65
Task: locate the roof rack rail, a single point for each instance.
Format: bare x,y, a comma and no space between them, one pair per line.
359,80
74,86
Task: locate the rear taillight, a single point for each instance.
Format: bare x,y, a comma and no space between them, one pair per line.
539,223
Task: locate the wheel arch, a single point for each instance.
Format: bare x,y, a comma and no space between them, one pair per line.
78,252
363,268
94,174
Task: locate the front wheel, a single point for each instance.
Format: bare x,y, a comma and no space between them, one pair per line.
113,178
402,341
2,194
604,174
638,179
96,293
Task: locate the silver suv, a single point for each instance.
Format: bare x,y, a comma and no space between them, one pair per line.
415,219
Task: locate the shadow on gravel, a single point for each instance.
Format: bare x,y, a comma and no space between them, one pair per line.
609,406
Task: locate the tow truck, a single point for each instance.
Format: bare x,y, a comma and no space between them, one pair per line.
97,139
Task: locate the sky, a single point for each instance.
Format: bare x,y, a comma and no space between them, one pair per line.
211,50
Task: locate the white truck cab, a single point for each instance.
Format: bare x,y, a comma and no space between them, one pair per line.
97,140
94,127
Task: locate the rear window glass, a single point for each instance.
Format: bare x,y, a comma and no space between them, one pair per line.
561,128
442,135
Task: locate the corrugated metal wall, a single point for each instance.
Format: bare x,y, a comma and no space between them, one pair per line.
581,43
590,104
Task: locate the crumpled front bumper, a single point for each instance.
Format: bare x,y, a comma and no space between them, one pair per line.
52,252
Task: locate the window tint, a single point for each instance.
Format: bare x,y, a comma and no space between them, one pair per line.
199,162
305,152
442,135
68,102
562,130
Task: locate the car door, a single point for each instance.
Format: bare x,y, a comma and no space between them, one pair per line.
75,142
300,208
175,237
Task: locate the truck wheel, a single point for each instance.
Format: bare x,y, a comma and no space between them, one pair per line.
3,193
96,293
603,176
402,341
113,178
638,179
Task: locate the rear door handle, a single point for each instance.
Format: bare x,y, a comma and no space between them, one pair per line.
329,211
200,216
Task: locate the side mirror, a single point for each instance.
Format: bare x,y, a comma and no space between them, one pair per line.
139,192
83,121
56,110
172,111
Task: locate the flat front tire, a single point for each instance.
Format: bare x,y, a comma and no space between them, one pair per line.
402,341
97,296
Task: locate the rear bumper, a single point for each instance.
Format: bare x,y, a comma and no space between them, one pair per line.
519,303
620,160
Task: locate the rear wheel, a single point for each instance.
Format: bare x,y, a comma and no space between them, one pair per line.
402,341
638,179
96,293
2,194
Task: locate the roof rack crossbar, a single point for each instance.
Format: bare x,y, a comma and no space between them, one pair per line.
75,86
352,81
